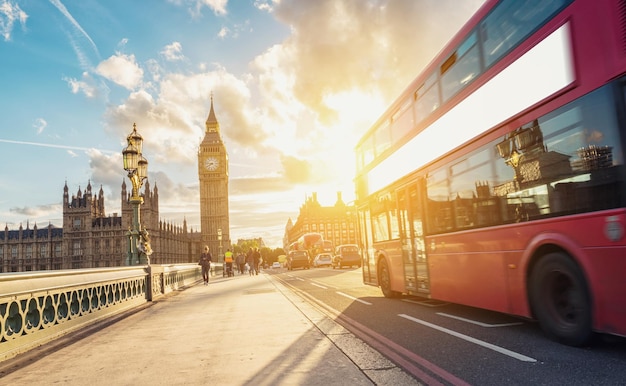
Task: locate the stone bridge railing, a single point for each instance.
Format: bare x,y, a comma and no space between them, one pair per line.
38,307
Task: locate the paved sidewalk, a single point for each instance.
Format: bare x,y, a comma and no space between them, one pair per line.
235,331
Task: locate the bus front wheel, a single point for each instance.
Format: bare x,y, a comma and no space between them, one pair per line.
560,299
384,279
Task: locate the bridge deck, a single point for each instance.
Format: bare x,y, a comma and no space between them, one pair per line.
235,331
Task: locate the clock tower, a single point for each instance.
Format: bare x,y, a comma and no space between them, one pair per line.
213,175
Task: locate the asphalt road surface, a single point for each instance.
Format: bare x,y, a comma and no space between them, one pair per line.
449,344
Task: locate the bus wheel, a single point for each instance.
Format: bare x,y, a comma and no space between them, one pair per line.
560,299
385,280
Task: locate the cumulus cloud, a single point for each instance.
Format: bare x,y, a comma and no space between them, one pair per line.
39,211
173,52
106,168
296,170
217,6
263,5
10,12
179,194
173,120
223,32
195,6
121,69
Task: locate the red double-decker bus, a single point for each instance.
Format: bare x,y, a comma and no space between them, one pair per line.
496,179
311,242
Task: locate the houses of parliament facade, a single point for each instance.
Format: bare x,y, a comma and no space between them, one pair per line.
91,239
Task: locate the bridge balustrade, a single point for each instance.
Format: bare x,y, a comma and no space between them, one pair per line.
38,307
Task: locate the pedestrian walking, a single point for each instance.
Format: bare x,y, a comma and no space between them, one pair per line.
250,262
240,260
256,256
205,263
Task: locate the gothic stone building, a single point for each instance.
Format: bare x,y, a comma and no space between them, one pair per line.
335,223
91,239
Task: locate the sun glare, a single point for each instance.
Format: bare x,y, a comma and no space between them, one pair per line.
357,110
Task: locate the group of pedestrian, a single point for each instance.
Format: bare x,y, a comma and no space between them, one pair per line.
253,260
249,262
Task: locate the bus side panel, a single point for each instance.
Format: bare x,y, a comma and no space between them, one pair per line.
397,269
608,274
462,271
484,268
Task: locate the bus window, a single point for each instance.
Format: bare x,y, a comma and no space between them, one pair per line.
393,221
380,228
465,178
510,22
365,153
382,138
567,161
402,121
427,98
461,68
439,205
382,209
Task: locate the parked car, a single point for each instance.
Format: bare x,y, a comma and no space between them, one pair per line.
323,260
347,255
276,264
298,259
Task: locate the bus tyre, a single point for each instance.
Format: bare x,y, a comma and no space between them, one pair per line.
385,280
560,299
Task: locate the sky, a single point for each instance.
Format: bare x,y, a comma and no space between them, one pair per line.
295,84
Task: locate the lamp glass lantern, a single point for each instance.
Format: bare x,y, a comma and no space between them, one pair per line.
134,138
131,157
142,167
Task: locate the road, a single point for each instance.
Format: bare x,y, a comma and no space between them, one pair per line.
449,344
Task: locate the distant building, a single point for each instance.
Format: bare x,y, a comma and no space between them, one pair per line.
258,241
335,223
91,239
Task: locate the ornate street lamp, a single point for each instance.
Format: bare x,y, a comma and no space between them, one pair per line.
136,166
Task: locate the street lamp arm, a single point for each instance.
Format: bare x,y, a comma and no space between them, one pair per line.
136,181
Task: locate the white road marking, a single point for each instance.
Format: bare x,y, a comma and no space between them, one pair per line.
481,324
490,346
324,284
355,299
319,285
426,302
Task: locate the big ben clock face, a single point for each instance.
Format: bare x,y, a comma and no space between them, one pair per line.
211,163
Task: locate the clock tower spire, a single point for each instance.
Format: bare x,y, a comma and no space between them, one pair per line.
213,176
211,123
